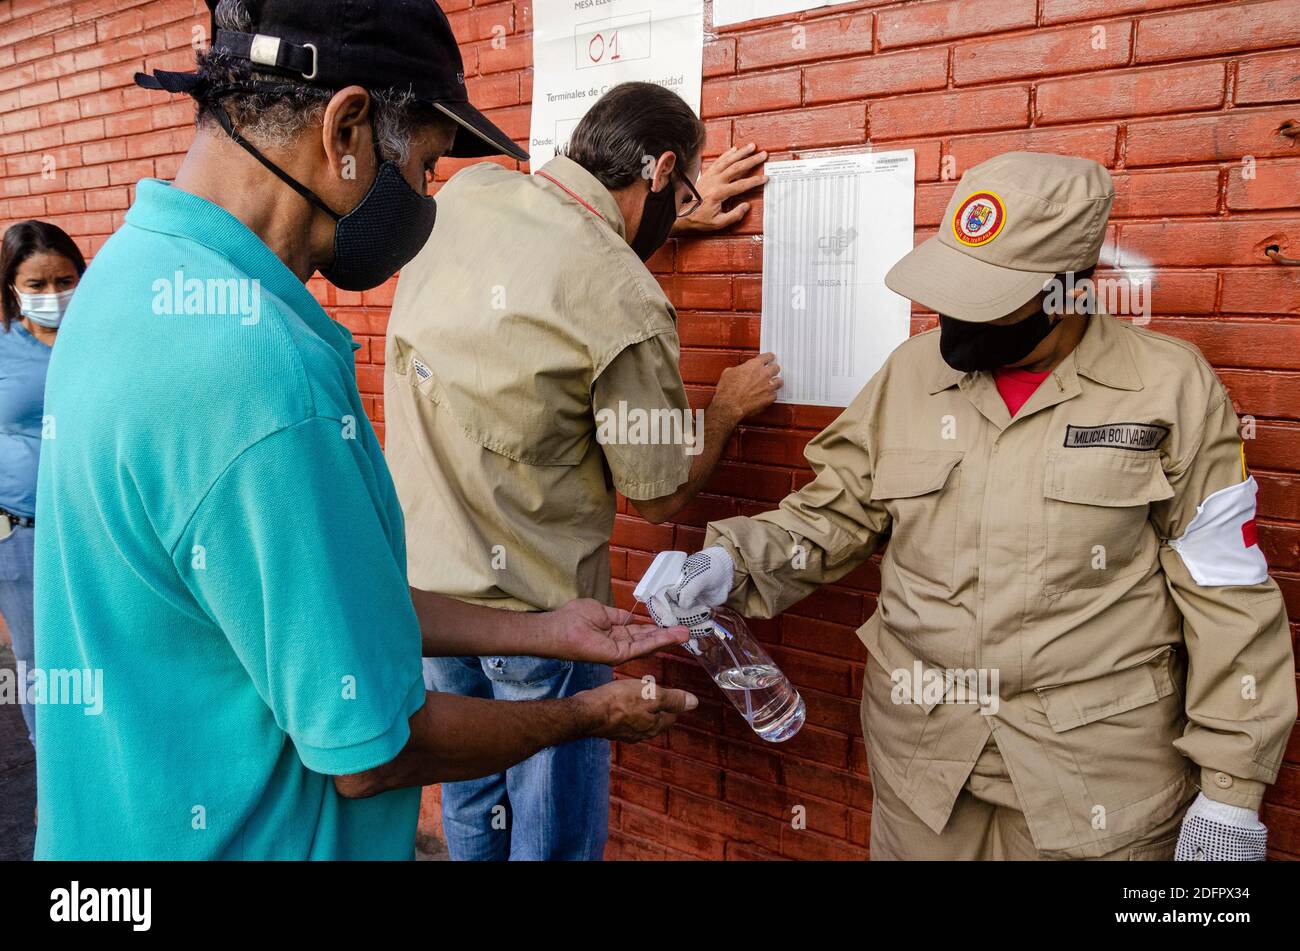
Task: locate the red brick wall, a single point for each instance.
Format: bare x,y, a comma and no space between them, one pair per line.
1181,92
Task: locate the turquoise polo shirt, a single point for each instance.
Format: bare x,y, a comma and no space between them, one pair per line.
221,550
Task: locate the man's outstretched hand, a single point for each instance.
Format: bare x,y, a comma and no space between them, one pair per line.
594,633
633,711
727,178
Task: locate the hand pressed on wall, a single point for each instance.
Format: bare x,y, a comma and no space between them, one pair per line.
727,178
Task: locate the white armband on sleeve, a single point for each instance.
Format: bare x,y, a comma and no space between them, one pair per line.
1220,546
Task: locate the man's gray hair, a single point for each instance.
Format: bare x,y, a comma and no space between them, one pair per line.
275,119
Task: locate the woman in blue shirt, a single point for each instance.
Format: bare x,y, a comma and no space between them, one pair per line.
41,266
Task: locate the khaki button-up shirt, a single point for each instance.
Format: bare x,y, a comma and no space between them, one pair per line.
524,319
1040,549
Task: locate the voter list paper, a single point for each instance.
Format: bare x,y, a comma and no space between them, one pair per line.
832,227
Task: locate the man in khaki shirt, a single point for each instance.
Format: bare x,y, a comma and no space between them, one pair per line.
1076,631
532,370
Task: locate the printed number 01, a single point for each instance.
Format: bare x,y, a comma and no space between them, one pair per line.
597,52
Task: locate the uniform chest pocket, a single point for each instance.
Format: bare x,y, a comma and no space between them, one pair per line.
1096,515
919,490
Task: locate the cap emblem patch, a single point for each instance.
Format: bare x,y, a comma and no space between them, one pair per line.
979,219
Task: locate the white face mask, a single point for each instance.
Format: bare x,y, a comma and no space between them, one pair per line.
45,310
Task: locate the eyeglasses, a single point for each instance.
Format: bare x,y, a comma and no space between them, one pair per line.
695,202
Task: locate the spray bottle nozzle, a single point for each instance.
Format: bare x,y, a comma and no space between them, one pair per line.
663,571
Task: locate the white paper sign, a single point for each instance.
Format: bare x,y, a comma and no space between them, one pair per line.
832,229
582,48
726,12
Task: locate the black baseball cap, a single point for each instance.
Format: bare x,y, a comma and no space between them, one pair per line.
378,44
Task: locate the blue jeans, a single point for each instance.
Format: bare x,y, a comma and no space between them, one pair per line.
554,806
16,605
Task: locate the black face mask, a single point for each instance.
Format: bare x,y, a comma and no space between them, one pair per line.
972,347
377,238
658,216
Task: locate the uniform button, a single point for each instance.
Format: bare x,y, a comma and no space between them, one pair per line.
1222,780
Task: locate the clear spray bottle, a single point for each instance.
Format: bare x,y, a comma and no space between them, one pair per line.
735,660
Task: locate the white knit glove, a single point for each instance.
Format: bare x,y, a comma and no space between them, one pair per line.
1218,832
705,583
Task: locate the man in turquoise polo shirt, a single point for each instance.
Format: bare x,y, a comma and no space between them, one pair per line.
230,650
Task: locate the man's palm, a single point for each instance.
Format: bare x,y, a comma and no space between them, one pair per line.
596,633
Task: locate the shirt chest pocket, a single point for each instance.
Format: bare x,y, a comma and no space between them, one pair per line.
532,422
1096,508
919,490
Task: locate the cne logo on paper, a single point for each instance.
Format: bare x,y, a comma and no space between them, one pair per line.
979,219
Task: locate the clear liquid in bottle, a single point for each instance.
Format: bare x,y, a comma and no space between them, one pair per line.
756,687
